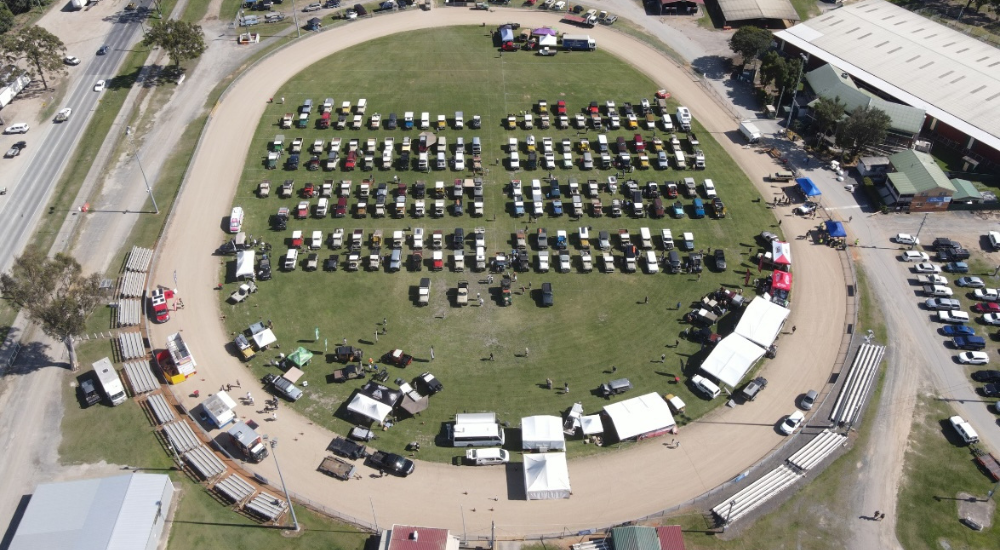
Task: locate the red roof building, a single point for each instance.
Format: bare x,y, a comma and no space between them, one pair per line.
405,537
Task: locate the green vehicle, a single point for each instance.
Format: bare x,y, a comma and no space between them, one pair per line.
506,296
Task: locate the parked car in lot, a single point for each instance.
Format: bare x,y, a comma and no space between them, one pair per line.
957,330
942,304
547,298
754,387
914,256
956,267
806,208
315,6
986,307
957,317
970,282
973,358
986,376
808,400
905,238
282,386
768,237
926,268
19,128
991,390
720,259
791,422
992,319
987,294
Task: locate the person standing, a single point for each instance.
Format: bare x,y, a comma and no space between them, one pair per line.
566,387
525,352
646,301
663,357
491,356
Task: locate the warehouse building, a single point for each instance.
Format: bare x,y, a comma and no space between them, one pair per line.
127,511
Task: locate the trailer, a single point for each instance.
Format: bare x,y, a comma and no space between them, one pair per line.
248,441
750,131
581,20
337,467
177,361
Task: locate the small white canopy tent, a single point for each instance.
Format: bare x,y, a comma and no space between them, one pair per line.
264,338
640,415
547,40
245,264
592,424
369,408
546,476
731,359
762,321
542,433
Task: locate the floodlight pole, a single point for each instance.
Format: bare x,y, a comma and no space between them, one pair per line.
135,153
295,16
728,514
798,79
288,499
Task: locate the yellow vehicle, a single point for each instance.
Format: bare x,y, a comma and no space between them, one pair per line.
511,122
584,145
377,238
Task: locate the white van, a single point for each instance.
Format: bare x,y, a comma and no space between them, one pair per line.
362,105
994,237
602,142
679,160
236,220
322,207
964,429
706,386
486,457
425,120
291,258
645,238
651,264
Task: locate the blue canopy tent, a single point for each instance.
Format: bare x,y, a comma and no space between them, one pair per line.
808,187
835,229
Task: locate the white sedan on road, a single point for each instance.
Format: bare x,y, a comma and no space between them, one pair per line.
99,87
926,267
987,294
974,358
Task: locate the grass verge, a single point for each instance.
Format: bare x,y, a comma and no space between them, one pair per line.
936,469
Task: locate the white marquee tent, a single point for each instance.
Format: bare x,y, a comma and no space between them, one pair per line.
245,264
368,407
731,359
542,433
264,338
546,476
762,321
640,415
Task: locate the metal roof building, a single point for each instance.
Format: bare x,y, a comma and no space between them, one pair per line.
830,82
405,537
953,77
124,512
746,10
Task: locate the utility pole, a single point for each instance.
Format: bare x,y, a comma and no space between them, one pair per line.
915,237
791,108
135,152
374,517
288,499
728,513
295,16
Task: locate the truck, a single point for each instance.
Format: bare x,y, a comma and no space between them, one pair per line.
582,20
392,463
347,448
750,131
580,42
248,441
111,384
337,467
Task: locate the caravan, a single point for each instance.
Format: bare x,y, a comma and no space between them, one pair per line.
476,430
236,220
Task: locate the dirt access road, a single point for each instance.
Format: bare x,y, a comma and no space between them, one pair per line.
714,450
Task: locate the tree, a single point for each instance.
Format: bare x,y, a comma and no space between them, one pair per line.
749,42
181,39
826,113
772,67
865,127
6,18
54,293
40,50
789,78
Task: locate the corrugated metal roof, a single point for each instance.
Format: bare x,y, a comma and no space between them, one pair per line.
635,538
405,537
917,171
94,514
671,537
954,77
741,10
965,191
830,82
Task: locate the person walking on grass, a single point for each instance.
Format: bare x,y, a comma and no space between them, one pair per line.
663,357
525,352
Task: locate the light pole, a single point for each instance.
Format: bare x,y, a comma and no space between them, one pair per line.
288,499
728,513
295,16
135,152
791,108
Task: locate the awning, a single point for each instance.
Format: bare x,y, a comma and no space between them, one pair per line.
542,432
761,321
548,40
835,229
414,403
300,357
292,375
808,187
265,338
369,408
731,358
591,424
640,415
781,253
543,31
781,280
245,264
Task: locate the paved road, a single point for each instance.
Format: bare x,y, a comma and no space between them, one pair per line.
54,144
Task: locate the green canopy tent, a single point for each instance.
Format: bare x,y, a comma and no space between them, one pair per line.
300,357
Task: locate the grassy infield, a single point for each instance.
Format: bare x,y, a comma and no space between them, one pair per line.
213,525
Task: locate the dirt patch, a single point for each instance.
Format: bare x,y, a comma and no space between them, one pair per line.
974,508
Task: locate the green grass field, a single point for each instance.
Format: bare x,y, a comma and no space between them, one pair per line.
598,321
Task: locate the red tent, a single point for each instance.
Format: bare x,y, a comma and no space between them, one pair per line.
781,252
781,280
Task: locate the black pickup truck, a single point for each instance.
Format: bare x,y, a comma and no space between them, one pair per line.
392,463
